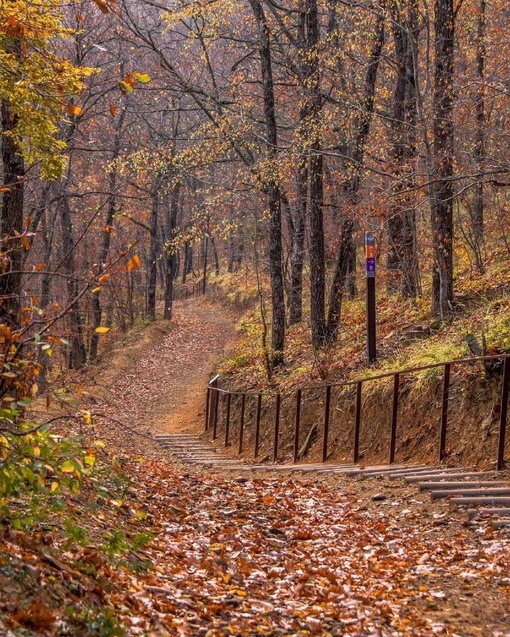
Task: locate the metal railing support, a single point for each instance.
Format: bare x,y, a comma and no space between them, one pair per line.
394,417
297,425
503,415
276,427
444,412
227,419
357,423
325,434
241,422
257,425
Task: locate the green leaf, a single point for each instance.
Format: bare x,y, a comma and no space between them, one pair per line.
67,467
144,78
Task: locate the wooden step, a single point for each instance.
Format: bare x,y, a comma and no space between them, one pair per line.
450,486
449,474
474,513
446,493
489,500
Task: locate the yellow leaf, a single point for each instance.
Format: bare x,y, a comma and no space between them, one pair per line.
142,77
37,452
72,109
102,330
89,460
54,487
87,417
125,87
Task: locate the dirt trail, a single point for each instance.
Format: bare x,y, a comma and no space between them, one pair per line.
157,383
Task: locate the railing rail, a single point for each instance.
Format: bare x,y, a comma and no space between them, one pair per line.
186,291
216,394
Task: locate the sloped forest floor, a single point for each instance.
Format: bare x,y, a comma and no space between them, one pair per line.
151,547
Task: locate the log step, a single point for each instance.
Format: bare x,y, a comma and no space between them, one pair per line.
503,491
489,500
374,470
449,474
451,486
475,513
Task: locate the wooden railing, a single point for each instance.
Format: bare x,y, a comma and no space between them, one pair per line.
493,366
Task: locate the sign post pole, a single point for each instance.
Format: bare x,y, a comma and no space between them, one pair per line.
370,274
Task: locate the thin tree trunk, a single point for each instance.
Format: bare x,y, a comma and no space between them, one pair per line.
11,225
171,261
312,117
296,224
152,268
185,267
77,354
478,201
442,203
402,258
97,312
356,151
215,255
297,220
47,233
273,191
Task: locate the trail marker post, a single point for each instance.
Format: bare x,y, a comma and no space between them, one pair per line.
370,275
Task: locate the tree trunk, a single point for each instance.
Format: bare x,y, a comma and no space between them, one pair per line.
97,312
47,234
346,253
442,203
215,255
152,268
402,258
478,200
77,354
273,191
185,264
11,226
296,221
170,251
311,114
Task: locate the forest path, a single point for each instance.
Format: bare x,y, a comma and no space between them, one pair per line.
156,381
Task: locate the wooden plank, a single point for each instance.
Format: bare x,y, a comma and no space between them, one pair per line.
450,474
474,513
499,524
504,491
435,486
488,500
